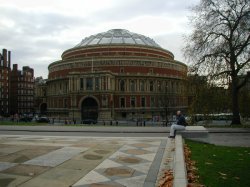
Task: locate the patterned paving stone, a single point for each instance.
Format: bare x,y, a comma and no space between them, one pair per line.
91,178
128,160
55,177
15,158
144,167
107,184
137,181
100,151
141,145
38,143
76,161
108,163
119,171
6,165
136,151
26,170
12,180
92,157
8,149
57,157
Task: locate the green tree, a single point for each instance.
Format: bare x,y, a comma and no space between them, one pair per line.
219,45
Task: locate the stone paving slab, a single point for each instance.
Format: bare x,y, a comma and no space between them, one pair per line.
12,180
56,157
26,170
6,165
81,161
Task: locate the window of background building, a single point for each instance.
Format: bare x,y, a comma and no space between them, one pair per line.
143,102
132,85
104,101
132,101
122,85
65,101
89,84
122,70
142,85
97,83
166,87
152,101
81,84
159,86
104,83
151,86
122,102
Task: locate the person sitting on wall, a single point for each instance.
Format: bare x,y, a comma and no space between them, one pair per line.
180,124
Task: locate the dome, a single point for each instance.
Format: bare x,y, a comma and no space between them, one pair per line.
118,36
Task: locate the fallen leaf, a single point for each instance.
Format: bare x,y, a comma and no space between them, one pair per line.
237,178
208,163
195,185
223,174
167,179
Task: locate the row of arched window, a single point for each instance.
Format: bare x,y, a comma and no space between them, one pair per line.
133,85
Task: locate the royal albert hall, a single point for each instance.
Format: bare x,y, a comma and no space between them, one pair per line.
116,75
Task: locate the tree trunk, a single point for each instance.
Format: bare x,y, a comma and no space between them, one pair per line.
235,103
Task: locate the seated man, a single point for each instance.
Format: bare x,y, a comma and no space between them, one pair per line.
180,124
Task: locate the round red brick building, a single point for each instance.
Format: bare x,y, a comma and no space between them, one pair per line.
116,75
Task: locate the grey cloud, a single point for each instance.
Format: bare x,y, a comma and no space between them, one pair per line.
132,8
34,23
173,42
34,36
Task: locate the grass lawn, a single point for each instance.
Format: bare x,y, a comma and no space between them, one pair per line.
220,166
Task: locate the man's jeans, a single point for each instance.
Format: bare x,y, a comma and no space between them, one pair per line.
175,127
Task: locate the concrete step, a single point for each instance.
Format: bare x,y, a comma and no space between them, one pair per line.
194,132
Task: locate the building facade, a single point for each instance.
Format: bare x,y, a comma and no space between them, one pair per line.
5,63
116,75
40,103
22,90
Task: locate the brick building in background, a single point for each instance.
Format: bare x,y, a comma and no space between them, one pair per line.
116,75
22,90
5,63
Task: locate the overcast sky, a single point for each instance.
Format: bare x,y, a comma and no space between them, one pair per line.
37,32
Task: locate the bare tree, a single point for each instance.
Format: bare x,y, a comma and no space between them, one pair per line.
219,45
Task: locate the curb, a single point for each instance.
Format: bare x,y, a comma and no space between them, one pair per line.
180,173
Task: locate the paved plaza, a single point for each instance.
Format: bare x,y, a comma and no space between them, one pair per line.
33,160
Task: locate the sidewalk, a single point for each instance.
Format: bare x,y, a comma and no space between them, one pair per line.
36,160
110,129
103,129
51,161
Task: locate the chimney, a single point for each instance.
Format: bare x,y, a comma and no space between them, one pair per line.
5,57
15,67
9,59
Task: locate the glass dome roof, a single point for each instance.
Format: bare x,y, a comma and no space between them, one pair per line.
118,36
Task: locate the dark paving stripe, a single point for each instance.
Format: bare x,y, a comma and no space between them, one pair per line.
155,166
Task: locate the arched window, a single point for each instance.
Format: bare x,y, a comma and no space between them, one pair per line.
132,85
159,86
122,85
142,85
151,86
